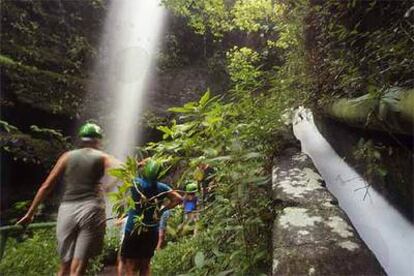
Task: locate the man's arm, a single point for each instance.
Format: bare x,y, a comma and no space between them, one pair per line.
46,187
110,162
174,198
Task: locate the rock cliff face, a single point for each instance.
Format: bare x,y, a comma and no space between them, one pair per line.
311,234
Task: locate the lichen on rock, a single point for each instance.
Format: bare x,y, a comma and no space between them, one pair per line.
297,217
312,236
351,246
340,227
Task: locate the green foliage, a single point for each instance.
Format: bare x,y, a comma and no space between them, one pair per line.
252,15
231,137
219,17
39,33
349,50
48,133
35,256
121,199
39,148
177,229
371,155
47,90
170,56
204,16
18,210
176,258
7,127
35,253
243,67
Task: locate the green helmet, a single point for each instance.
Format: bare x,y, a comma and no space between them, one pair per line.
191,188
90,130
151,170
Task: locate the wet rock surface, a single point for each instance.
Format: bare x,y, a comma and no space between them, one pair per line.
311,234
177,86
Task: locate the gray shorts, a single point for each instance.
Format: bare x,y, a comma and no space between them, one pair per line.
80,229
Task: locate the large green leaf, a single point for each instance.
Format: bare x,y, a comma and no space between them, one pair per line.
199,259
180,109
167,131
204,99
225,272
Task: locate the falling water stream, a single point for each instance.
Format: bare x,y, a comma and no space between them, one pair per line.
126,59
130,39
385,231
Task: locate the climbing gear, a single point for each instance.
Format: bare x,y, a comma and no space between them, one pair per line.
191,188
151,170
90,130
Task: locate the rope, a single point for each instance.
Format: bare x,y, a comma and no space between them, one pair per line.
15,227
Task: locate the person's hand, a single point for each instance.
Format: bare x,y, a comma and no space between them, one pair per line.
25,220
119,222
142,162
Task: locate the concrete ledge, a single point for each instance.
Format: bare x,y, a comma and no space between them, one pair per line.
311,234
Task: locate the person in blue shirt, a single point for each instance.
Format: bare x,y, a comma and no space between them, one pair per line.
190,202
141,230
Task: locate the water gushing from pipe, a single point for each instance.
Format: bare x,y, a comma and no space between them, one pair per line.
385,231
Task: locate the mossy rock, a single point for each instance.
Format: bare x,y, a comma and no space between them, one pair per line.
37,150
48,91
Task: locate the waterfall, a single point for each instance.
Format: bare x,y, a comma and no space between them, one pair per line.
126,59
385,231
126,55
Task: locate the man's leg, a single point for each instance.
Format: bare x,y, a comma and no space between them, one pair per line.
89,242
120,266
131,267
145,267
64,268
78,267
66,234
161,236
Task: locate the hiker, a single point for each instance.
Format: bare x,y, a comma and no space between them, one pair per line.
190,202
141,231
121,222
81,217
190,205
204,175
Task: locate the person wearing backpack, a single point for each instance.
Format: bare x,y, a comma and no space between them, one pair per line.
141,231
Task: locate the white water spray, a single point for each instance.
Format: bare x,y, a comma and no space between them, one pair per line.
385,231
131,36
126,58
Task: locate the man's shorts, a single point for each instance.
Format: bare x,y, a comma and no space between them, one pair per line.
80,229
140,246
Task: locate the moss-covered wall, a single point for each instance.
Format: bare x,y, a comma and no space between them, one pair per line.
47,48
46,52
53,35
